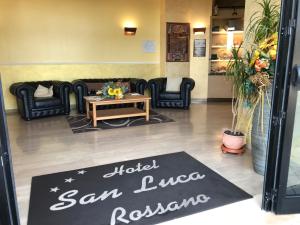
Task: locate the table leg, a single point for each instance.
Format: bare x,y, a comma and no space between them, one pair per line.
147,110
94,115
135,105
87,108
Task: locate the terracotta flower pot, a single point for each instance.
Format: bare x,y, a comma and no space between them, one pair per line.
233,140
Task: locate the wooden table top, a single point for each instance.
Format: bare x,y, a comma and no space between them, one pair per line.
128,98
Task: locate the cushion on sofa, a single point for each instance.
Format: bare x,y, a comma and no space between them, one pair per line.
99,85
94,86
169,95
43,92
173,84
46,102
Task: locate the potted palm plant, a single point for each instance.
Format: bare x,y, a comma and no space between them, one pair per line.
235,138
252,80
262,30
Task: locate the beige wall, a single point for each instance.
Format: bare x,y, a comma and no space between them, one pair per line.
71,39
162,37
35,31
194,12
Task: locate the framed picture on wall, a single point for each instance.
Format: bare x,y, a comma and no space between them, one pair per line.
199,47
178,39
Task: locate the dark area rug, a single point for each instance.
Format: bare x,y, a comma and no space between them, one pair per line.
80,123
137,192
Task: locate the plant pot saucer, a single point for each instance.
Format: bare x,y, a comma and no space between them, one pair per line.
232,151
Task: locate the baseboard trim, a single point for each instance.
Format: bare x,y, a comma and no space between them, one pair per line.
11,111
198,100
219,100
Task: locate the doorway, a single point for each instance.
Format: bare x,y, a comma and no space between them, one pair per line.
8,203
282,180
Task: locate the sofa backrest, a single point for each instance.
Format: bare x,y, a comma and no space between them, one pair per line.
97,84
35,84
106,80
164,84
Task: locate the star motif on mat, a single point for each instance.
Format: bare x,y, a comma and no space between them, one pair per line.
81,172
54,189
69,180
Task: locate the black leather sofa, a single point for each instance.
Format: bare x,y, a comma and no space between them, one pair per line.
160,98
81,89
30,107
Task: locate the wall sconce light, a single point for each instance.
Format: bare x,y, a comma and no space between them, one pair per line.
199,30
130,31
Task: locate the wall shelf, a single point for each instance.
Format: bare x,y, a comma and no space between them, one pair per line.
220,60
220,54
226,17
226,32
218,46
221,41
223,46
217,74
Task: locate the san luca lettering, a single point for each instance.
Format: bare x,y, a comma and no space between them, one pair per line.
73,198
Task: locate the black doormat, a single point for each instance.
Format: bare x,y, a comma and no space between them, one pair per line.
140,192
80,123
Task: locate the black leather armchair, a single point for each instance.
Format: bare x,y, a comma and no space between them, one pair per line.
30,107
160,98
81,89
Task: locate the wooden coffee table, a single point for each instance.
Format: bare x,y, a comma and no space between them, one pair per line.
107,114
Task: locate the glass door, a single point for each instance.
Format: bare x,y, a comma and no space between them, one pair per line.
8,204
282,178
293,182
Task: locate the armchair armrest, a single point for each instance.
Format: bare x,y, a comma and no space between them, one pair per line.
80,89
156,86
138,85
62,90
21,90
78,84
59,87
187,85
25,100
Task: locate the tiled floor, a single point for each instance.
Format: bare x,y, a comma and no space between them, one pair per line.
48,145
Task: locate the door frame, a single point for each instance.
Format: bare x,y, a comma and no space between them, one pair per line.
9,214
282,117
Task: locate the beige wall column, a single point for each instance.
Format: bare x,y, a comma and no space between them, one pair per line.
196,13
199,66
162,37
